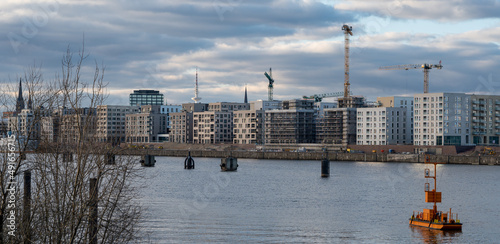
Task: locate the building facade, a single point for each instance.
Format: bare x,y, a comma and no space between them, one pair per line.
337,126
145,126
78,127
212,127
248,127
145,97
382,126
111,122
442,119
227,107
400,102
290,126
49,129
168,109
181,130
485,121
195,107
321,106
265,105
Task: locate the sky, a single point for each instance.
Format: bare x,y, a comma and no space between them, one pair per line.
158,45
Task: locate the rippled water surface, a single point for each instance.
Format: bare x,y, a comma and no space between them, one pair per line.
275,201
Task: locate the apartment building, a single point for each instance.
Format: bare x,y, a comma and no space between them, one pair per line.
145,126
4,126
168,109
248,127
111,121
227,107
212,127
265,105
49,128
442,119
400,102
78,126
382,126
485,122
194,107
181,127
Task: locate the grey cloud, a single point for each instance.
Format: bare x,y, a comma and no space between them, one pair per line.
157,44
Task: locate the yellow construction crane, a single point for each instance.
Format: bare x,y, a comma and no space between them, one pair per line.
426,68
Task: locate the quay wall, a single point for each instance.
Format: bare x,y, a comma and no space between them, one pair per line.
332,156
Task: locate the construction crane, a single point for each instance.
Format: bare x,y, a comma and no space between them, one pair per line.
319,97
347,31
270,87
426,68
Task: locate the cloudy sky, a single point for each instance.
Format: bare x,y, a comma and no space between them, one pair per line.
157,44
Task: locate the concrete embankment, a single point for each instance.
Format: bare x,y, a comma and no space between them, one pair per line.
332,156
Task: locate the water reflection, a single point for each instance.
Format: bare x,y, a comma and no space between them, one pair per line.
435,236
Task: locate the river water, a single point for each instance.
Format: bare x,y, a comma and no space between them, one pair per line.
278,201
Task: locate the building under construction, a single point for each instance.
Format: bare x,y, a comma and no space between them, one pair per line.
337,126
351,102
294,124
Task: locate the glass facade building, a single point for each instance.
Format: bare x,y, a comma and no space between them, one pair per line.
146,97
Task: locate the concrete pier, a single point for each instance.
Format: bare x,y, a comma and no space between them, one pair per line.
332,156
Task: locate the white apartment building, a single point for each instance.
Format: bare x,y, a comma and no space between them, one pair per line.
382,126
111,122
442,119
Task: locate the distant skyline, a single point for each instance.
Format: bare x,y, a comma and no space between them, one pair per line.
158,44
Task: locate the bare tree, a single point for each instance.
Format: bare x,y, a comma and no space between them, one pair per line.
61,204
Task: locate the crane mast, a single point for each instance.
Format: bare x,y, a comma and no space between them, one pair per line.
271,82
347,31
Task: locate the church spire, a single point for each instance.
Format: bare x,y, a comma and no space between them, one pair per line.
20,100
246,97
30,103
